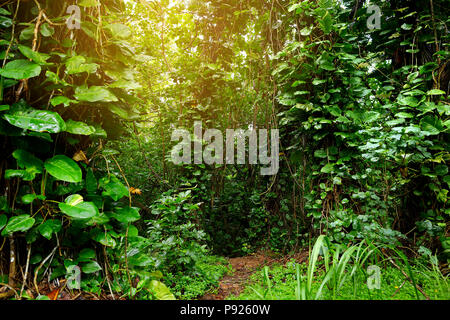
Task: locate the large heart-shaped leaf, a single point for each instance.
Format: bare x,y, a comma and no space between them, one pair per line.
84,210
77,127
94,94
127,214
20,69
20,223
63,168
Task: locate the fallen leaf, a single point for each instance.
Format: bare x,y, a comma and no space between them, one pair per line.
80,156
53,295
135,191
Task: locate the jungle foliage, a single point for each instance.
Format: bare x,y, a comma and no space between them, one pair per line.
86,117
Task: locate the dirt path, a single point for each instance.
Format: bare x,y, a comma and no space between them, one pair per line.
243,268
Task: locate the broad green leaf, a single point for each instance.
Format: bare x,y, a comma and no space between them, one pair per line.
84,210
435,92
39,58
91,267
29,198
161,291
20,69
20,223
5,12
91,182
63,168
127,214
27,33
27,160
77,64
28,174
441,169
326,22
432,125
5,22
104,238
36,120
408,101
114,188
61,100
328,168
94,94
47,30
77,127
85,255
49,227
74,199
119,30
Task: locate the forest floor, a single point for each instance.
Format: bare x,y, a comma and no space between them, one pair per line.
244,267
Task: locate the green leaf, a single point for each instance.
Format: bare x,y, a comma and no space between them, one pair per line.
84,210
432,125
105,239
127,214
27,160
86,254
119,30
20,223
37,57
441,169
91,267
408,101
27,175
47,30
27,33
61,100
435,92
77,127
4,12
4,204
63,168
74,199
94,94
161,291
91,182
328,168
49,227
36,120
20,69
114,188
326,23
77,64
29,198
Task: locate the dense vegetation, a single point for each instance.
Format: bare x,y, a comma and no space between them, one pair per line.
89,191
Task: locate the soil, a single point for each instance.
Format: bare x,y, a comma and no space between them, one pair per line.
243,268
